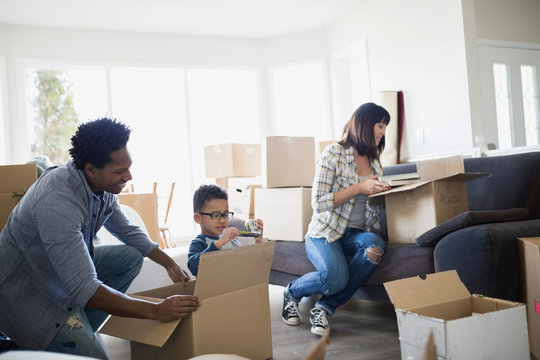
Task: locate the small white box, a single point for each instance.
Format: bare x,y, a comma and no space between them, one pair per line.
464,326
241,193
285,212
288,161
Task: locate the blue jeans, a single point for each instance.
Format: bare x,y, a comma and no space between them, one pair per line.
336,278
116,267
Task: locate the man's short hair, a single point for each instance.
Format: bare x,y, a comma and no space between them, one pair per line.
206,193
95,140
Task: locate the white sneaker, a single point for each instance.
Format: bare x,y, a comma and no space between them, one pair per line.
319,321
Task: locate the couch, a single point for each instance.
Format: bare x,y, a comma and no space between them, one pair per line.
480,244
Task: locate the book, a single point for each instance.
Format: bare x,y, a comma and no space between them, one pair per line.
400,179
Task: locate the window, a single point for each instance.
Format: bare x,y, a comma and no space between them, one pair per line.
173,113
301,101
510,96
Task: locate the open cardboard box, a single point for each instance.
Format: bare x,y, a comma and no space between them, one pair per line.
234,316
529,269
440,194
464,326
15,180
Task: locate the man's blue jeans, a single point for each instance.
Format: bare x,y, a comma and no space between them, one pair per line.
116,266
336,278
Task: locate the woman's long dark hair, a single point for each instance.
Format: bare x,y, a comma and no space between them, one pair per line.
358,131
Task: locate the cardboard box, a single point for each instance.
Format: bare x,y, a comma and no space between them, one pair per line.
464,326
241,193
286,212
146,205
232,160
440,195
15,180
323,144
288,161
529,264
234,317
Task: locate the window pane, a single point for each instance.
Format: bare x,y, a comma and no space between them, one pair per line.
223,108
301,103
530,103
152,102
502,101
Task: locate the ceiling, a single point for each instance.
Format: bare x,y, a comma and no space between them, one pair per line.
256,19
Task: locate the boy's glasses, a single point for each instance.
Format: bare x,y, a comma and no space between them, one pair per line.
216,216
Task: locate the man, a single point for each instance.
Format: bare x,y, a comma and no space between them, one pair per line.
56,289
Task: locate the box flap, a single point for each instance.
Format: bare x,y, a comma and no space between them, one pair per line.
150,332
232,269
414,292
396,189
438,168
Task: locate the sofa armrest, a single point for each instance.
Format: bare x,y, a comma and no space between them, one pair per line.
485,256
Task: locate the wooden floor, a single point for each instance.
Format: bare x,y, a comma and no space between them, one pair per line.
359,330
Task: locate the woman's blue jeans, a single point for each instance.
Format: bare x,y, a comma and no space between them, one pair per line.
116,267
337,277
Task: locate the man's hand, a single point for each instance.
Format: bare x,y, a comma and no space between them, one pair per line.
176,307
177,274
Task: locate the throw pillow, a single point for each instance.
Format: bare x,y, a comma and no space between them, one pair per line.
466,219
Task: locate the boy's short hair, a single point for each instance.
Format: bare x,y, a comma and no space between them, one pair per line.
206,193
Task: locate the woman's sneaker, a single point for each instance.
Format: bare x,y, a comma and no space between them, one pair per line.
290,314
319,321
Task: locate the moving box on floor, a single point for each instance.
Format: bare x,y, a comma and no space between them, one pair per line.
241,191
529,263
440,194
464,326
234,316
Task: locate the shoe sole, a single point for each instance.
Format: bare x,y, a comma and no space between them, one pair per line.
318,331
291,321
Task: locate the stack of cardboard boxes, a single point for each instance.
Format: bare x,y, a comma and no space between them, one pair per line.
284,201
236,168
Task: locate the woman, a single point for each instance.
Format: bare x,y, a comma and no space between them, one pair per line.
342,217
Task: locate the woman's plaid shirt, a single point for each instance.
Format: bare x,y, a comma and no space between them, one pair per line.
336,171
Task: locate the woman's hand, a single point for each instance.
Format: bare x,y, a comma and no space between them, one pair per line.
372,185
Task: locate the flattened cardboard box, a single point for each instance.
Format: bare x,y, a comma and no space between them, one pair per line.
440,194
464,326
146,205
15,180
529,269
234,317
232,160
286,212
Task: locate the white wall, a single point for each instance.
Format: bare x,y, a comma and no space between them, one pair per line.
417,46
38,44
508,20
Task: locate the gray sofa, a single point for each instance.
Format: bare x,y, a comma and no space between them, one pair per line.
481,245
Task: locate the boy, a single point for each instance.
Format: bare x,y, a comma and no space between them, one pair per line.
211,212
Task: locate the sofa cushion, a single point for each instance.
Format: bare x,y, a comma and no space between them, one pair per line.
469,218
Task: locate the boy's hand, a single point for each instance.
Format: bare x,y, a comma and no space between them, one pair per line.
227,235
260,224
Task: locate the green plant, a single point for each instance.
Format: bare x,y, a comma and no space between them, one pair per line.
56,119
